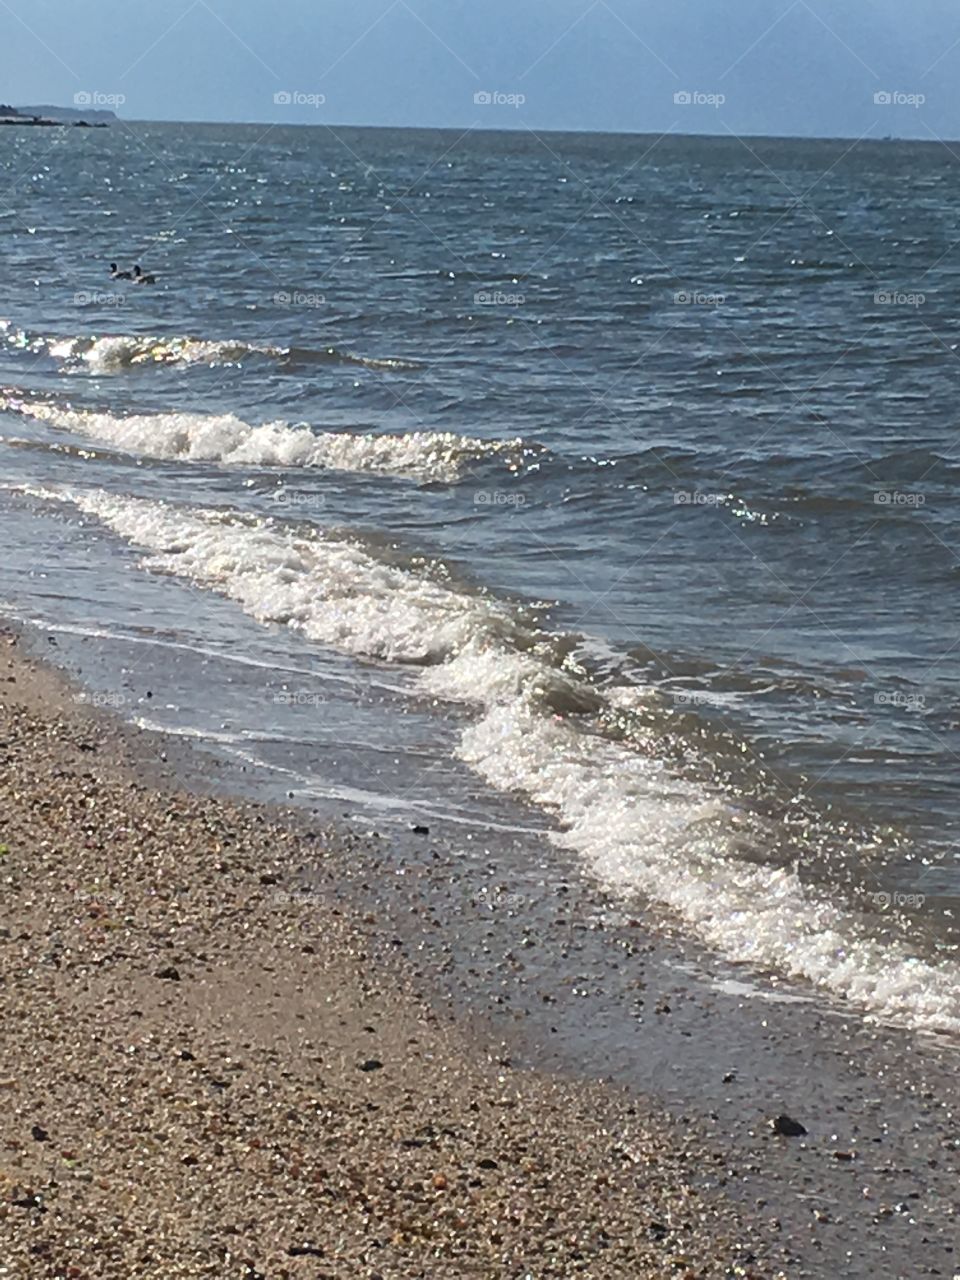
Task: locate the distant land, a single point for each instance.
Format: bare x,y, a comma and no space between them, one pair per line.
95,115
46,115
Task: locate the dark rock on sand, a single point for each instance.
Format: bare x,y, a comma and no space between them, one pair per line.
30,1202
787,1127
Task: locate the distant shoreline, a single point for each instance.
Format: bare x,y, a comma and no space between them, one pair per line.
525,131
29,123
47,115
73,117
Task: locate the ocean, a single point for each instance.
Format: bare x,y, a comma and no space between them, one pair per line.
595,491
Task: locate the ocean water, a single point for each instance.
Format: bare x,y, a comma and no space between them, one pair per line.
603,489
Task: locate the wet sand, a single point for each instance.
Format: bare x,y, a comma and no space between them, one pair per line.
210,1070
518,957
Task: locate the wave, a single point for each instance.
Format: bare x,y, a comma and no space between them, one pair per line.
636,823
429,456
112,353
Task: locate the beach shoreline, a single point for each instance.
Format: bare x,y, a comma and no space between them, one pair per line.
200,1079
610,1022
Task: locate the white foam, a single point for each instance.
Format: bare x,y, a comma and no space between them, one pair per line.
637,825
640,828
228,440
331,590
112,353
108,354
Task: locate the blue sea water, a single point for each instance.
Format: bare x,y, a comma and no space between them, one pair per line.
599,486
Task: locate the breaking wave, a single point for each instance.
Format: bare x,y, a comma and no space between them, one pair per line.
429,456
111,353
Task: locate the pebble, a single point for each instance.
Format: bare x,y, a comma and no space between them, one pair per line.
787,1127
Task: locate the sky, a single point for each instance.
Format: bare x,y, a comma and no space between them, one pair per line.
821,68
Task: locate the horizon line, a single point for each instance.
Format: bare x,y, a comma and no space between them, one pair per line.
521,130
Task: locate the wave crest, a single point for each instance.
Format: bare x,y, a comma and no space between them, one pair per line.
429,456
113,353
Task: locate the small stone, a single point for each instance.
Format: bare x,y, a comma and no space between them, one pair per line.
371,1064
440,1182
419,830
787,1127
30,1202
39,1133
170,974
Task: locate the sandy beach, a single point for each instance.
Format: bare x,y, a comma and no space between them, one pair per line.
200,1079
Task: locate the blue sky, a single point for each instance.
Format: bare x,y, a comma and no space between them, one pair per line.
806,67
